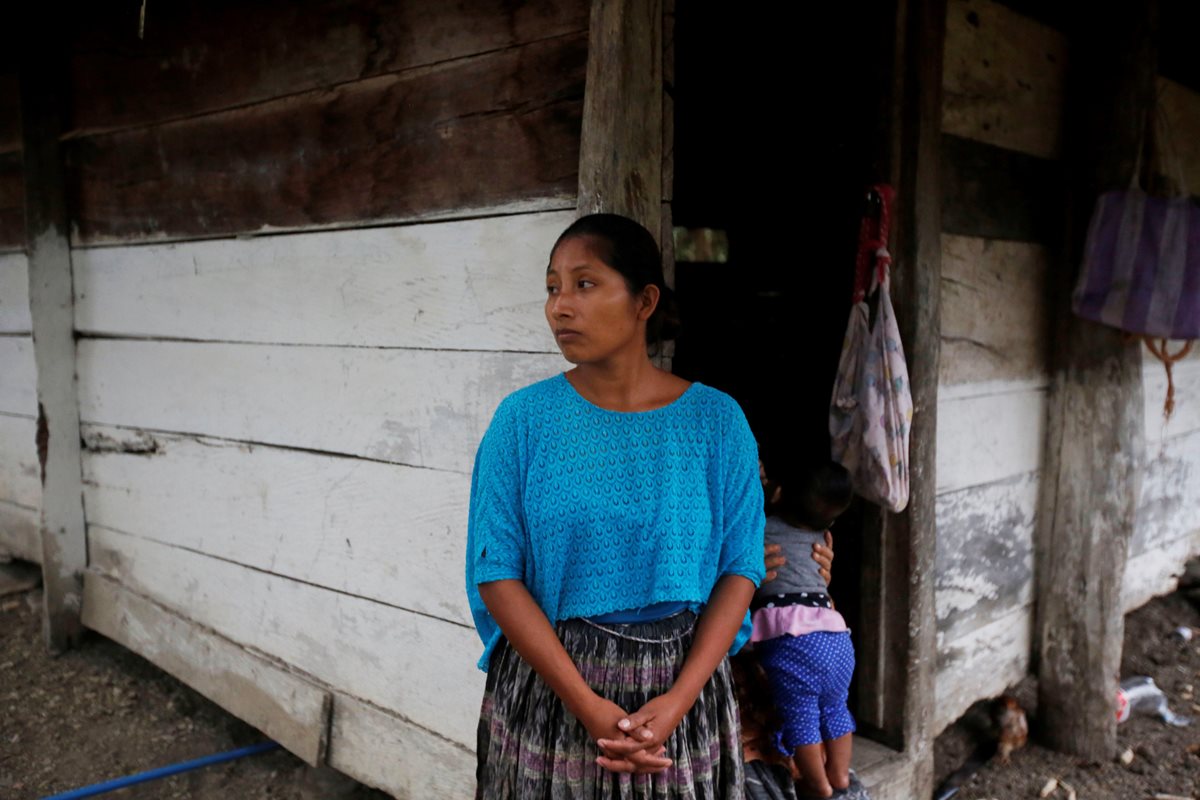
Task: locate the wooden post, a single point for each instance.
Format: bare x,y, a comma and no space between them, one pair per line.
52,309
621,150
1094,443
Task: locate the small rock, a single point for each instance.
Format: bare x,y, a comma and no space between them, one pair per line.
1126,758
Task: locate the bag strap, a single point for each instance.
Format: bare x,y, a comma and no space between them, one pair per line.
872,241
1159,349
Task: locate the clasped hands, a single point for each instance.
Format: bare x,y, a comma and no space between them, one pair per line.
634,742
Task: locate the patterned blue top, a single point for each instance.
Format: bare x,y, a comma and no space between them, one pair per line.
599,511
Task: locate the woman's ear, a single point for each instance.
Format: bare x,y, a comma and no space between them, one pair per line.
648,301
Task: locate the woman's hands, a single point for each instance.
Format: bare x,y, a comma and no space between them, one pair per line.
822,554
638,752
645,731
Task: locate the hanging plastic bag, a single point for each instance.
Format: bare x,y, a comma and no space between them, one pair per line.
870,414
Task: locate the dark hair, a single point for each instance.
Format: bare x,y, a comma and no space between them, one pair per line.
815,494
630,249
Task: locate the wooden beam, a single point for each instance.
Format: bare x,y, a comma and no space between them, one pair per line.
903,556
1095,427
620,154
52,312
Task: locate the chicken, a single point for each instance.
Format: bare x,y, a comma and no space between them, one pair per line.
1014,730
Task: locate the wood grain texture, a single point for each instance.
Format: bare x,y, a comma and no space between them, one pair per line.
386,751
424,408
14,294
1004,77
995,193
200,57
284,706
984,553
995,325
989,437
19,472
378,531
481,132
621,150
1170,494
418,667
981,664
18,390
19,535
467,284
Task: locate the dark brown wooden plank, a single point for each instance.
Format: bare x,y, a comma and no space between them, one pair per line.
620,154
10,114
199,56
483,132
12,202
995,193
1095,422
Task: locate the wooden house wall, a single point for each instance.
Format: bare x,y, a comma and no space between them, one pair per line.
1002,218
306,261
20,486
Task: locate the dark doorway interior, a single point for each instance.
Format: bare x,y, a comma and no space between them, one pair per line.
780,125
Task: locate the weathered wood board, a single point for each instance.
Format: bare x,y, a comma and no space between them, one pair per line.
468,284
419,667
1186,416
423,408
984,553
386,751
18,390
14,294
994,319
19,534
483,132
198,57
283,705
20,480
988,432
1170,494
1004,78
981,664
378,531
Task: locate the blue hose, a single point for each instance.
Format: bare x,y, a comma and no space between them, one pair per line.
162,772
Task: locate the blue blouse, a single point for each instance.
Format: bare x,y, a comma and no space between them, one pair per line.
598,511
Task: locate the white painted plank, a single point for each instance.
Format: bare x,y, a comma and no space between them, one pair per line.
18,376
284,706
984,565
1170,494
409,763
14,293
994,320
417,407
1156,571
1186,417
389,533
983,439
981,664
1003,78
421,668
20,474
19,532
469,284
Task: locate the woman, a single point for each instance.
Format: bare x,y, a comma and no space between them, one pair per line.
615,539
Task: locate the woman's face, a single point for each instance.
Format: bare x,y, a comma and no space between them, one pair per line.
591,311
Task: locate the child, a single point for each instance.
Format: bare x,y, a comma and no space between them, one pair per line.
802,643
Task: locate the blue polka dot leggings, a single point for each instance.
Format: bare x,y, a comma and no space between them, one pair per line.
810,680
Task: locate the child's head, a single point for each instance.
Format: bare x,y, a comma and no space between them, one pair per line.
813,495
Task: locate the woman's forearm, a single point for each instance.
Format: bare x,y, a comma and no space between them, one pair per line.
715,631
529,632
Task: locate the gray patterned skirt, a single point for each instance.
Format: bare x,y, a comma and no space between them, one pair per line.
531,748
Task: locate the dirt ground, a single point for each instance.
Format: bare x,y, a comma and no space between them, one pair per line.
1162,762
100,711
